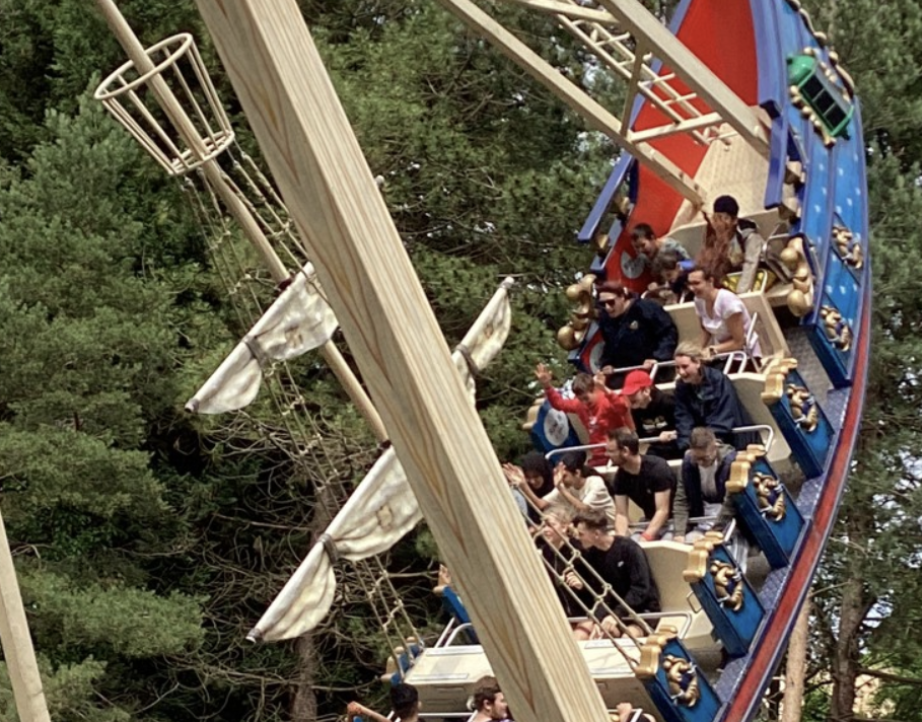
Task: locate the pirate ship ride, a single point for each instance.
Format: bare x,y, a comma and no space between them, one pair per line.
760,110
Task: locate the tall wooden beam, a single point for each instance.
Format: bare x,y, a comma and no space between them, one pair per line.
17,643
594,113
329,189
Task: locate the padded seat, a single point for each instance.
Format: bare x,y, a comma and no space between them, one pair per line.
668,561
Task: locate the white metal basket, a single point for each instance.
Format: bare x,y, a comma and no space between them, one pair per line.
194,127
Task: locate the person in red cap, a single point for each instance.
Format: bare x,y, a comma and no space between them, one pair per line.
654,414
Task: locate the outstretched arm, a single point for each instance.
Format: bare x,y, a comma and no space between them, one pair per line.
354,709
545,378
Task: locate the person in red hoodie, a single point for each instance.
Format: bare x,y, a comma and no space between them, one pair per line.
598,408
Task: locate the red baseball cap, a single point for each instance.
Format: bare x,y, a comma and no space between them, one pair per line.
636,381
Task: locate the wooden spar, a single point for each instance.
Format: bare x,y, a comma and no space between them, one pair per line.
601,31
650,32
594,113
17,644
213,174
316,160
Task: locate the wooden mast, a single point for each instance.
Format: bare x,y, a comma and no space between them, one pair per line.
364,268
17,643
167,100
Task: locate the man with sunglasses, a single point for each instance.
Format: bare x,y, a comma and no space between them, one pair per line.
636,332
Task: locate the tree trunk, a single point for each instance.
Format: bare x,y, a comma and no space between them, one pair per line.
795,671
856,602
304,706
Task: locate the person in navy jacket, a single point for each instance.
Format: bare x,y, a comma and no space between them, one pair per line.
636,332
704,396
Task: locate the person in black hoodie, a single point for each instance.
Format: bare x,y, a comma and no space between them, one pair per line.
622,564
654,414
636,332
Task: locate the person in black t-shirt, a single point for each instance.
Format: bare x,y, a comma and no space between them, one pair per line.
621,563
646,480
654,414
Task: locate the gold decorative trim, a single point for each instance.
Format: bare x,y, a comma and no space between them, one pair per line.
775,374
698,557
837,329
801,297
682,677
741,468
847,247
569,337
766,485
727,576
650,654
804,409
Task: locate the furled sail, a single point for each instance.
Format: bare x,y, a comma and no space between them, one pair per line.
299,320
381,510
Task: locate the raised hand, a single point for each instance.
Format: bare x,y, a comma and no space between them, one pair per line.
559,474
543,375
514,474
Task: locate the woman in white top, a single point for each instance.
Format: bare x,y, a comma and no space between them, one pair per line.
723,316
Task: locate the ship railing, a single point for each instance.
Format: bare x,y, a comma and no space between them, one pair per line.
733,361
454,628
766,432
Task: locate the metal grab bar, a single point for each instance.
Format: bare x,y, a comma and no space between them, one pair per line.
650,616
768,439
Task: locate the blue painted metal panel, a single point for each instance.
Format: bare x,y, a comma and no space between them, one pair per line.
851,206
603,202
843,286
734,627
773,74
833,353
809,448
455,607
776,537
671,710
774,187
552,430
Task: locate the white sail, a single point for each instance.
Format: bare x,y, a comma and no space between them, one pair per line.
299,320
381,510
379,513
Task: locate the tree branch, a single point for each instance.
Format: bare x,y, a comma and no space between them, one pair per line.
889,677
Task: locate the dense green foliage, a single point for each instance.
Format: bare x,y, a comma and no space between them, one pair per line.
148,542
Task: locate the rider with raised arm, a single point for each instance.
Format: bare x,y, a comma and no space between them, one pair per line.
598,408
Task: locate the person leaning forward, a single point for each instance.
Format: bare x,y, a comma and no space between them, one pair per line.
622,565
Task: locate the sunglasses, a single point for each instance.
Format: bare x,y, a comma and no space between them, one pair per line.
608,302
